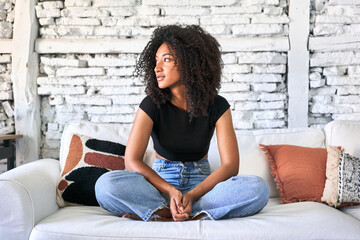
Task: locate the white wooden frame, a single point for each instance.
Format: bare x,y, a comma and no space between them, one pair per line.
298,64
24,74
43,46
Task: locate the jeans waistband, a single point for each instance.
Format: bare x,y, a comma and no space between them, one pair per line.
163,162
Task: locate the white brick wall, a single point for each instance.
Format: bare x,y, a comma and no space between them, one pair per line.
334,73
6,95
7,14
101,88
100,18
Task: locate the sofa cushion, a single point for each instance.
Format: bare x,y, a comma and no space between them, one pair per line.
254,162
344,133
353,211
88,158
301,220
89,222
305,220
342,178
299,172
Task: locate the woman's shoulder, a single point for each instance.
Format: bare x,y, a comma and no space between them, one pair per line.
149,107
220,100
147,101
147,98
220,105
218,108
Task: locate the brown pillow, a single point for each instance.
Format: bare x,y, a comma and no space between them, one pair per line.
299,172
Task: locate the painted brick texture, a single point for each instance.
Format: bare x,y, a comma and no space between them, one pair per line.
6,91
334,73
102,88
7,14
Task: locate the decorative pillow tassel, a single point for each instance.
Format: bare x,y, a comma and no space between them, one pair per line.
331,189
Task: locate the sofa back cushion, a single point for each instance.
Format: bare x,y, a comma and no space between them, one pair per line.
253,160
117,133
345,134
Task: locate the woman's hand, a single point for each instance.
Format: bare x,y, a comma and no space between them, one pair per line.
177,208
187,201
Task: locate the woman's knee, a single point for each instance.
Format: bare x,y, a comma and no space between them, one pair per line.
256,187
261,190
104,185
114,181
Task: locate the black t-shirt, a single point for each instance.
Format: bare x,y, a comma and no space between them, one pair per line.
177,139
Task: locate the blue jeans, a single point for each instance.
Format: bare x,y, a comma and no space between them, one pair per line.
123,191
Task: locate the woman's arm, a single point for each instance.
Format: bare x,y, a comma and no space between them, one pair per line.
229,155
135,150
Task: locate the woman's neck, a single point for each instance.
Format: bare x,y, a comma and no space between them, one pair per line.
178,98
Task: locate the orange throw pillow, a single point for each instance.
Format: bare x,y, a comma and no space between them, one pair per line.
299,172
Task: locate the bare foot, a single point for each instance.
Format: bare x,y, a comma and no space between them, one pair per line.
136,217
162,219
131,216
164,213
199,217
165,216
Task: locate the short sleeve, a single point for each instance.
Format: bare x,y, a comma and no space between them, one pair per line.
148,106
219,108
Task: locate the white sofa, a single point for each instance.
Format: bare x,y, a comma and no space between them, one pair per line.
28,208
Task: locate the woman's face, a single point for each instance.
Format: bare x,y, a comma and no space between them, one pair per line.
166,70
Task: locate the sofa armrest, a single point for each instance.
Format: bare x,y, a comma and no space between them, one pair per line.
27,195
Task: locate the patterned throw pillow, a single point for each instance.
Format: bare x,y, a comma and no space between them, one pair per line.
87,160
342,178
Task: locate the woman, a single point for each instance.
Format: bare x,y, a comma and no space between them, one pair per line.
182,70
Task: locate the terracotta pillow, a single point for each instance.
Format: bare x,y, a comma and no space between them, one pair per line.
299,172
86,161
342,179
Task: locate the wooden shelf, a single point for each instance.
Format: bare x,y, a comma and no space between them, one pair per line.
10,136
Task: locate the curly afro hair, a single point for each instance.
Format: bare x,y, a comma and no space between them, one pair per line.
199,57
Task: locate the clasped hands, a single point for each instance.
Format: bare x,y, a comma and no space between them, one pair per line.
181,205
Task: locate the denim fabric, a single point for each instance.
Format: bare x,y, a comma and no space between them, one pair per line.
183,176
123,192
